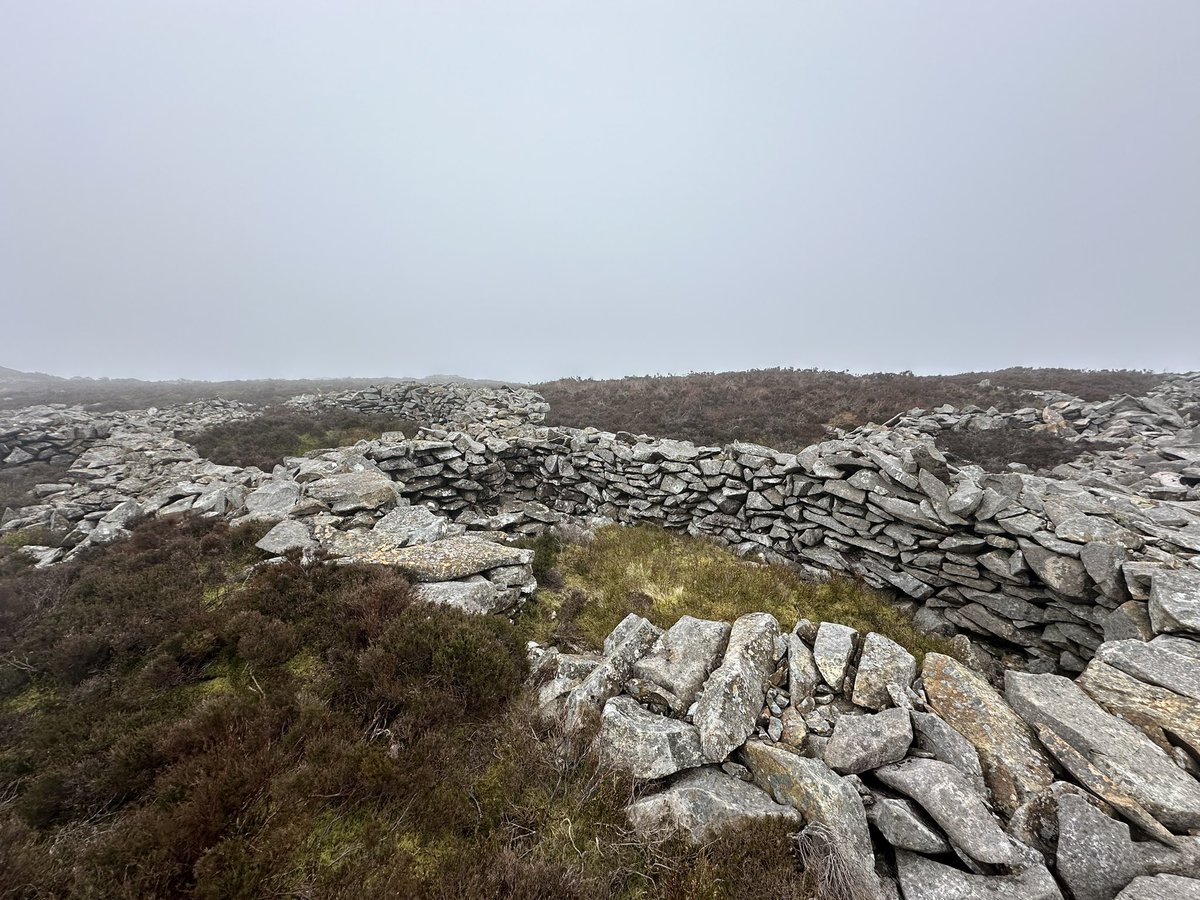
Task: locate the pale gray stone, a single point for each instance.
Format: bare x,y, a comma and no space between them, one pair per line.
925,879
475,596
1175,601
1161,887
882,662
933,735
733,696
832,650
683,657
803,676
286,535
904,827
644,745
862,743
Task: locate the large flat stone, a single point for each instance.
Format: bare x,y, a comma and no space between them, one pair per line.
949,798
683,657
1123,761
925,879
452,558
701,804
1154,709
1175,601
881,663
809,786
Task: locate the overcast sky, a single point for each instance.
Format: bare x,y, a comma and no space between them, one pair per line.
526,190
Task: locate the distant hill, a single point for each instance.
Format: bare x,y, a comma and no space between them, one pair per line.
16,376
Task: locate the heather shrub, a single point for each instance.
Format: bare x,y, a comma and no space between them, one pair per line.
265,440
995,448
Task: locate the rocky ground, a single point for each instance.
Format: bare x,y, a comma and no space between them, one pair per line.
1071,774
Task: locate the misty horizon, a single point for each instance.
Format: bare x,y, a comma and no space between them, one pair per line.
530,192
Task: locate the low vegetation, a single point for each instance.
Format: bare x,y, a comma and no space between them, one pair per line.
265,440
177,721
663,576
791,408
17,482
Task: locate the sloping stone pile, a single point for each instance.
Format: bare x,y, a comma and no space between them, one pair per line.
58,433
453,404
929,787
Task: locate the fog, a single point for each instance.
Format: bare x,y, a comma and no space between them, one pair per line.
528,190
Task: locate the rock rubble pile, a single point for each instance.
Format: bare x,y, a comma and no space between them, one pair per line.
927,785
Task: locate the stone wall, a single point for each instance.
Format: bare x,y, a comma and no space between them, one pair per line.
451,404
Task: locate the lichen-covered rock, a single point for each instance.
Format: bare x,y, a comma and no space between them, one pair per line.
1175,602
702,803
861,743
733,696
926,879
634,638
644,745
683,657
1014,765
883,662
904,827
286,535
833,650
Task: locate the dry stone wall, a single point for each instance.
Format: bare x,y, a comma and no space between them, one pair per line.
453,404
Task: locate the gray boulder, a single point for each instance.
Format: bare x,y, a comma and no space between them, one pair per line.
1014,765
803,676
948,797
643,745
861,743
273,501
932,735
1097,857
904,827
354,491
407,525
476,596
1175,601
809,786
286,535
1161,887
882,662
832,650
1158,662
733,696
925,879
1111,757
683,657
636,637
702,803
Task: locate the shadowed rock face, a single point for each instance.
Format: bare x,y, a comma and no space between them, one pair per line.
1014,765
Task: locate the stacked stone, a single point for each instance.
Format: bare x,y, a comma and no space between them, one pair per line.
934,786
431,403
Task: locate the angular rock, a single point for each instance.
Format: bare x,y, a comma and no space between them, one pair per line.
733,696
702,803
803,676
637,636
832,650
1175,602
273,501
809,786
1154,709
473,596
1121,761
1158,662
882,662
1061,573
1161,887
452,558
925,879
408,525
353,491
861,743
944,793
1097,857
934,736
904,827
286,535
1129,621
643,745
1014,765
683,657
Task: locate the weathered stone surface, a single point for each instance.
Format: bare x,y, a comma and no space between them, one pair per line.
1161,887
925,879
701,803
636,637
803,676
1157,662
1129,621
944,793
833,650
407,525
286,535
904,827
733,696
644,745
809,786
1124,761
1152,708
1090,529
683,657
273,501
1097,857
882,662
353,491
933,735
1062,573
474,596
1013,764
1175,602
453,558
861,743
